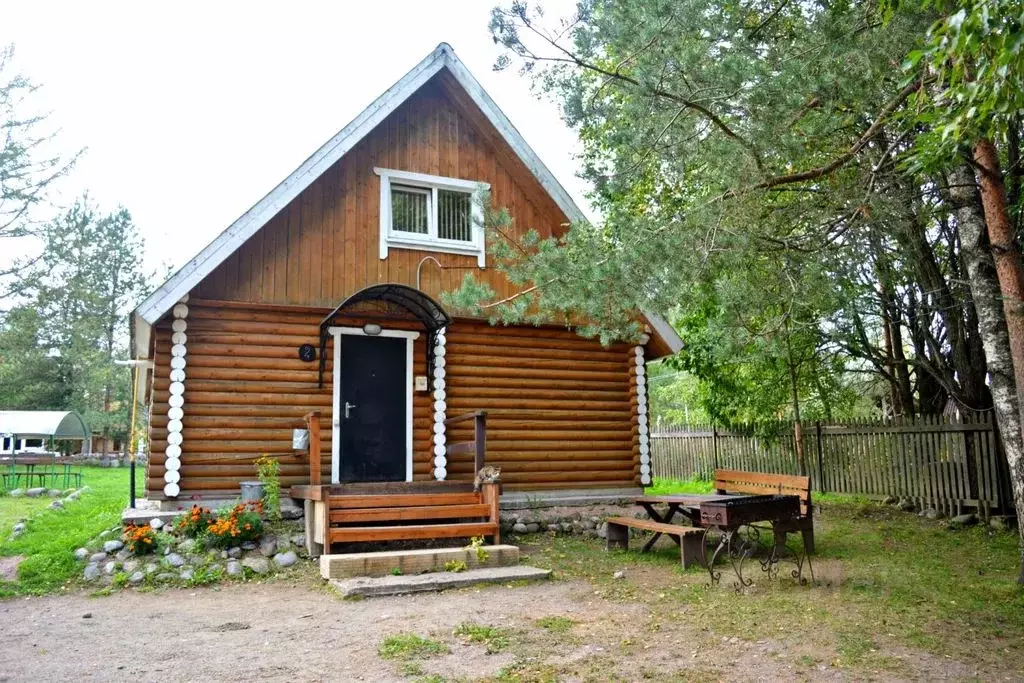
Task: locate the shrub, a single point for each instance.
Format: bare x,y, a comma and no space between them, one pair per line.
268,470
236,525
194,522
139,539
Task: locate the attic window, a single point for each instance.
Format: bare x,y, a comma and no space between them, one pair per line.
431,213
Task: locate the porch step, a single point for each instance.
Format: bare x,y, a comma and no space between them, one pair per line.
408,562
412,532
437,581
391,514
403,500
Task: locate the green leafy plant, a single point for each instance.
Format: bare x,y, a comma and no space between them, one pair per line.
455,566
407,646
476,545
494,639
396,571
268,470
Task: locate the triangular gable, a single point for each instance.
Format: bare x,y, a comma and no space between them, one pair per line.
443,57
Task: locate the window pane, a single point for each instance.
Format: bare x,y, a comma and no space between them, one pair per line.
409,209
454,217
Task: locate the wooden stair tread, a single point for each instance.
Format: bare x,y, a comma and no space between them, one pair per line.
412,531
651,525
404,500
388,514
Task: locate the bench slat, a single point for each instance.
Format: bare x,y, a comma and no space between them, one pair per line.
651,525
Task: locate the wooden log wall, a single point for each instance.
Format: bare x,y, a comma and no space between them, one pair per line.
561,409
558,406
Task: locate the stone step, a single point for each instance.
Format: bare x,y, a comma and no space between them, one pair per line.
409,562
377,586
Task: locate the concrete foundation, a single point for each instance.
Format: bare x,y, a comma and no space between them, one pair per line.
438,581
408,562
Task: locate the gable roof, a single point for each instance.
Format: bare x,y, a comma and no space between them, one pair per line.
443,57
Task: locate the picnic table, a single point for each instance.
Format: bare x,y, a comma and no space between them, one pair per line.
42,467
737,520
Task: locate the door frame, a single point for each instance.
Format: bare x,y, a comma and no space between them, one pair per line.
410,337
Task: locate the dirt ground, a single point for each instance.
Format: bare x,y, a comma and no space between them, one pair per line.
280,631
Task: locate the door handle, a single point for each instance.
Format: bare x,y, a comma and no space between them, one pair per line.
348,407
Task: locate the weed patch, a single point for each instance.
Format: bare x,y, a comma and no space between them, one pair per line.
409,646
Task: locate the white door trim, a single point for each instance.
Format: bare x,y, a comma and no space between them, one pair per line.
410,337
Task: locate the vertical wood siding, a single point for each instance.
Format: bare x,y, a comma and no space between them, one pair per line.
324,245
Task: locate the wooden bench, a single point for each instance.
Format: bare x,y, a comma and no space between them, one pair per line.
761,483
690,539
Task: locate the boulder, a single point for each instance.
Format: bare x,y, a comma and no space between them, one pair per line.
35,492
260,565
56,505
289,510
54,493
248,545
16,493
186,574
299,540
109,568
905,505
136,578
19,528
81,554
175,560
965,520
97,558
92,572
112,546
519,528
286,559
187,546
151,567
268,546
234,568
122,554
131,566
156,523
235,552
283,545
931,513
165,577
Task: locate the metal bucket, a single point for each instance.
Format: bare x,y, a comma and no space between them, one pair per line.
251,490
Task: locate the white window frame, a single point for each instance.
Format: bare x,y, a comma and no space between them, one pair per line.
410,338
431,241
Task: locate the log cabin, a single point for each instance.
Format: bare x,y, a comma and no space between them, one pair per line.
319,308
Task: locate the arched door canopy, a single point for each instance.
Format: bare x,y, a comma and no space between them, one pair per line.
422,307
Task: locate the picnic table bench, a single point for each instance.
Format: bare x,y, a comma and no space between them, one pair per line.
743,500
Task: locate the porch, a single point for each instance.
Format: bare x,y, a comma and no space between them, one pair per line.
367,512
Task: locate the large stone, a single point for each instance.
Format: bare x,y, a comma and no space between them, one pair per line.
268,546
19,528
187,546
165,577
931,513
248,545
905,505
54,493
235,552
92,571
35,492
519,528
16,493
156,523
136,578
965,520
112,546
122,554
81,554
109,568
186,574
286,559
260,565
56,505
399,585
532,527
234,568
299,540
289,510
283,545
131,566
175,560
151,567
96,558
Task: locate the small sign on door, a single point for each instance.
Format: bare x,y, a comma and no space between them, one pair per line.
421,382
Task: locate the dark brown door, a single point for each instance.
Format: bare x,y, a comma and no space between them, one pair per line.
372,409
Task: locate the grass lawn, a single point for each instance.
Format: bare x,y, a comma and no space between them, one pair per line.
53,535
888,581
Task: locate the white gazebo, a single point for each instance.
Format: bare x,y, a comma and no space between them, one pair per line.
34,431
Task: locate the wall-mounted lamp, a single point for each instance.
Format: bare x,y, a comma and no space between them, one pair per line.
371,329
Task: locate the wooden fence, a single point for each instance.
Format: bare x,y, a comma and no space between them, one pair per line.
934,461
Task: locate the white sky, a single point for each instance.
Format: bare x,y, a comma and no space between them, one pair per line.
191,113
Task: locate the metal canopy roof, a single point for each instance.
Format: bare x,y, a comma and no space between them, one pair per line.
57,424
419,304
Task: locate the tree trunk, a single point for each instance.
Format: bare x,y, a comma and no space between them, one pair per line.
798,436
1005,249
985,291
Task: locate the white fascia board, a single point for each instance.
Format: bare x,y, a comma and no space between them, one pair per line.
664,330
255,218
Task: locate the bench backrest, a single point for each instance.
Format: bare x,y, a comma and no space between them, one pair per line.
762,483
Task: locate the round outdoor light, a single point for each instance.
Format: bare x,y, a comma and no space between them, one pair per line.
371,329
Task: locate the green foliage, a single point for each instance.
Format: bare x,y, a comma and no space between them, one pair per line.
194,522
455,566
268,470
408,646
556,624
476,545
140,540
493,638
236,525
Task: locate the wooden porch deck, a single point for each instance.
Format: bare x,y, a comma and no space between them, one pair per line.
403,510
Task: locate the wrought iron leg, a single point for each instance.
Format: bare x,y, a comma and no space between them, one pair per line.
782,551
